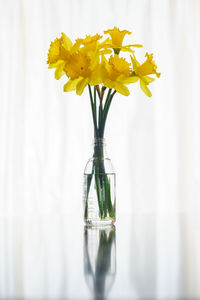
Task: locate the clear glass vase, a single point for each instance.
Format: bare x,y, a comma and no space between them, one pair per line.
99,187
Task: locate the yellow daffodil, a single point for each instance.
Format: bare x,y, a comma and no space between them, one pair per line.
58,54
81,70
77,65
89,43
148,67
117,74
142,70
85,62
117,37
83,66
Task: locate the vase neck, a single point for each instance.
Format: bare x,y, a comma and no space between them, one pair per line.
99,147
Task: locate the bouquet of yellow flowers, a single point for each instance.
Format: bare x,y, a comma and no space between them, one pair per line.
97,61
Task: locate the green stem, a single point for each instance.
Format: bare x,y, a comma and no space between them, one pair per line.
101,109
103,191
93,112
100,117
89,180
98,187
95,107
108,196
101,179
105,111
107,98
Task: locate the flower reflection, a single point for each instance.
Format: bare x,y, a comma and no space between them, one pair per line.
99,259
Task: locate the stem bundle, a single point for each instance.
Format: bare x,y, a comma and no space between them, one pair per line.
102,181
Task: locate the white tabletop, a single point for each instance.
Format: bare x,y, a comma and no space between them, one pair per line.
146,256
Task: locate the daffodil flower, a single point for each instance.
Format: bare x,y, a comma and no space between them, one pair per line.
58,54
81,70
83,66
91,45
86,63
117,37
143,70
117,74
90,42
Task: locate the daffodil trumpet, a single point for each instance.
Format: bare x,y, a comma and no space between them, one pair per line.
98,63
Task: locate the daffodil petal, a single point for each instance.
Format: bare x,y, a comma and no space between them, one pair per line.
59,71
96,77
135,45
109,45
81,85
127,49
145,88
55,65
148,79
109,84
135,63
75,47
71,85
67,43
102,52
104,44
121,88
130,79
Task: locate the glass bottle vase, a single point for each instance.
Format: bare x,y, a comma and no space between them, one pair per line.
99,187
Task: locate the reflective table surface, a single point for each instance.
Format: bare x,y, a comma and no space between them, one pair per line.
145,256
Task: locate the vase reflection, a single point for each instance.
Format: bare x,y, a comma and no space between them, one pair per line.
99,259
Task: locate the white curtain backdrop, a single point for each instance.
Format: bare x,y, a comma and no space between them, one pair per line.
46,134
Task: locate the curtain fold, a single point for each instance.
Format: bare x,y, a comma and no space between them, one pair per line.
45,134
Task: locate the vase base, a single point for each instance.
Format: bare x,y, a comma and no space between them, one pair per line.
98,223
